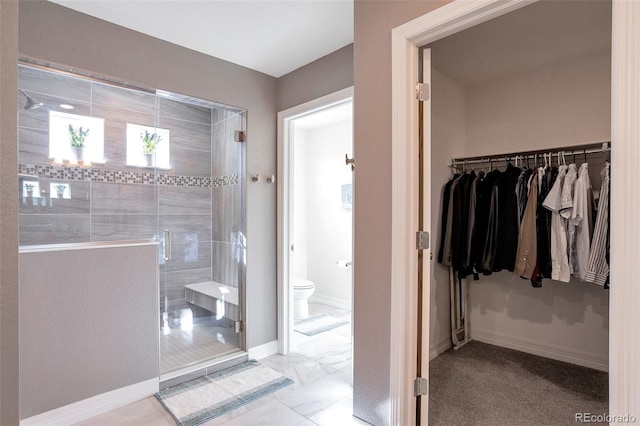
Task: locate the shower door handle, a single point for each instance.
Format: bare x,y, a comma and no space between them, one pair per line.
166,245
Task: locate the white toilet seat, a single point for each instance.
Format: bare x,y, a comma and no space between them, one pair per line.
303,285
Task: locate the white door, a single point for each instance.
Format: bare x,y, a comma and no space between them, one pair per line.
424,221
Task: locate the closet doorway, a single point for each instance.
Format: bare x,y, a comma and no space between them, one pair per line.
315,229
541,82
429,28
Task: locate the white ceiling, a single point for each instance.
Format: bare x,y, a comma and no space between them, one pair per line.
326,117
271,36
548,31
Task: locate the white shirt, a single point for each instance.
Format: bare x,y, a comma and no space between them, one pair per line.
567,191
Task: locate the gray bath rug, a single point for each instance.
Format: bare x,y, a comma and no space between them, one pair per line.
211,396
318,324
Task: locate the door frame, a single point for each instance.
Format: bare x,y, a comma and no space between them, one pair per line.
624,343
285,205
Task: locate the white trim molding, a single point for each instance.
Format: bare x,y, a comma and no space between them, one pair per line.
624,312
94,406
440,347
263,351
624,342
404,224
285,152
546,350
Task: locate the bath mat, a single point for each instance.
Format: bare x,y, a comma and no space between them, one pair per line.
211,396
318,324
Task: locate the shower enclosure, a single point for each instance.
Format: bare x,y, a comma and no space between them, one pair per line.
101,161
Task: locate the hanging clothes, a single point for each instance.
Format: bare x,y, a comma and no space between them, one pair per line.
473,197
537,223
484,192
507,240
543,223
444,254
582,223
567,191
490,245
559,257
526,255
598,269
522,192
461,201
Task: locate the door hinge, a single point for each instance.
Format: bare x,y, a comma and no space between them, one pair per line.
422,240
421,386
239,136
422,92
239,326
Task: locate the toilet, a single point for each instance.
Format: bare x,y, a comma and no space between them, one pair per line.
302,290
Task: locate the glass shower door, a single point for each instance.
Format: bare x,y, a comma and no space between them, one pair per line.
201,227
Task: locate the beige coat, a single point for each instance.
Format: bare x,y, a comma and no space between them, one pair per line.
526,257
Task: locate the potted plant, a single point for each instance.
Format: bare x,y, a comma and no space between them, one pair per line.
60,188
77,137
150,142
29,187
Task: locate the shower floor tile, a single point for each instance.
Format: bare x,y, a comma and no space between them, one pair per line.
187,340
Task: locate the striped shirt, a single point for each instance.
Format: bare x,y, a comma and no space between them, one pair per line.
598,269
581,224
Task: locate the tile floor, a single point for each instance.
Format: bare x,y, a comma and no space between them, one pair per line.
320,366
186,339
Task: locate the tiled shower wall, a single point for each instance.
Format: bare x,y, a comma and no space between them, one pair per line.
199,199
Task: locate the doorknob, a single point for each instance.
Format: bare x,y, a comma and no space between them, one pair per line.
351,161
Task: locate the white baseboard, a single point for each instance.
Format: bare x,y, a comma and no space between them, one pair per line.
440,347
331,301
585,359
263,351
94,406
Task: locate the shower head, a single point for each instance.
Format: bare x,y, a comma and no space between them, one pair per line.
31,103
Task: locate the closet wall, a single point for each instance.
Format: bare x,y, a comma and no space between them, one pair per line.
448,140
563,103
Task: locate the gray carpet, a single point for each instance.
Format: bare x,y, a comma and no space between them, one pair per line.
481,384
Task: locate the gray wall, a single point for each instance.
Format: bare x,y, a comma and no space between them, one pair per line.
374,21
9,350
88,323
321,77
53,33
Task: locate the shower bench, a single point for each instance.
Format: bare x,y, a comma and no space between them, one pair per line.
215,297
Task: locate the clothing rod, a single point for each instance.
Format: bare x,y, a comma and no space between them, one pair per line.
592,148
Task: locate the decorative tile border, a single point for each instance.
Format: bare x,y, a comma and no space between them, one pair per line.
122,176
